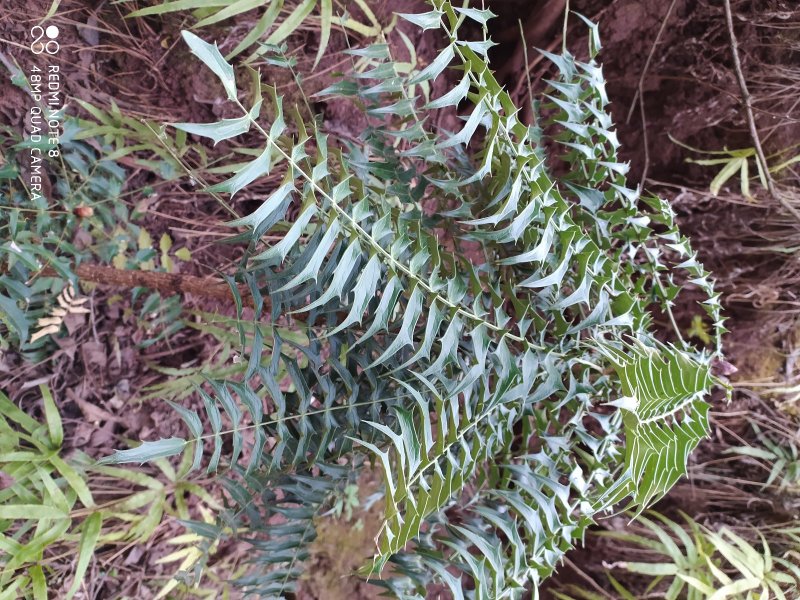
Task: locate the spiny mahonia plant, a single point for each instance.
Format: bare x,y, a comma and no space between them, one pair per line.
494,391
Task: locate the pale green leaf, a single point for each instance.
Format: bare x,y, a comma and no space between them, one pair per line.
146,451
210,55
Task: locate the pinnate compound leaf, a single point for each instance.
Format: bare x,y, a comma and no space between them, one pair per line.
665,417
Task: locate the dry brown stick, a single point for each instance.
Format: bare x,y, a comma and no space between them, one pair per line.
640,94
747,100
168,283
645,142
640,85
583,575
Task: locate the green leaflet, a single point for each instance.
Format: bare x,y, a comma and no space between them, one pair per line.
290,239
350,259
146,451
262,25
292,22
256,168
313,266
427,20
211,57
363,293
433,70
480,16
14,316
326,19
222,130
268,209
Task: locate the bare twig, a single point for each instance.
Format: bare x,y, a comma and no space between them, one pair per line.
639,87
645,141
586,577
747,100
640,93
527,62
528,107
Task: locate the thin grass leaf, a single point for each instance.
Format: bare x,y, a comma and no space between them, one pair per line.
326,16
292,22
52,417
90,533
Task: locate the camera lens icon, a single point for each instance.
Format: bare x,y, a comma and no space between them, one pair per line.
51,32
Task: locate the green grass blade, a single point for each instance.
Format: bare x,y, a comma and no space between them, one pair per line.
265,22
35,512
326,16
89,535
38,582
294,20
52,417
177,5
231,10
